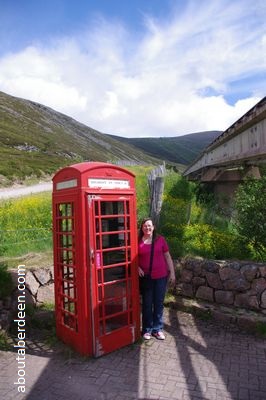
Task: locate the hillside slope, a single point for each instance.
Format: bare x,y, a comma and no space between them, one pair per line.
180,149
35,139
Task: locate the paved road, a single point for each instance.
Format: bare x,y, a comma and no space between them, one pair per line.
25,190
198,360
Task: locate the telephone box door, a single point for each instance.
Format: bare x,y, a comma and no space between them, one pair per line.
113,269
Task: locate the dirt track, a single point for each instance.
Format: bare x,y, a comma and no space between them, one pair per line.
17,191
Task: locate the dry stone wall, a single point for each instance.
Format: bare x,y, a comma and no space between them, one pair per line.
40,285
39,289
232,283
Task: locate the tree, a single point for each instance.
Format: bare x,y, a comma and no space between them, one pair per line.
250,204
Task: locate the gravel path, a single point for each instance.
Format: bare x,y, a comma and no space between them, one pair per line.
17,191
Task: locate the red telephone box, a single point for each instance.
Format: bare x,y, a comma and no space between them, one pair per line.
95,257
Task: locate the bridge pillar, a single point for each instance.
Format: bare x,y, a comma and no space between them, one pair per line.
227,183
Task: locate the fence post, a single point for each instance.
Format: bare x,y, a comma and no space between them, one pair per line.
156,185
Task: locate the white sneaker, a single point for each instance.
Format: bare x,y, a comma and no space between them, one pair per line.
147,336
159,335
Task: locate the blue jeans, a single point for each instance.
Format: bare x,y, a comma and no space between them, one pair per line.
152,306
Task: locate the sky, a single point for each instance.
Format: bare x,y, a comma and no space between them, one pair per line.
139,68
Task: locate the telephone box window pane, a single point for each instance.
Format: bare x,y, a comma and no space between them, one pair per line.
113,224
66,257
120,207
117,289
69,209
113,274
127,238
66,240
96,208
70,321
69,306
115,306
99,276
101,328
101,310
100,293
68,286
117,322
65,225
114,257
98,243
68,273
112,207
66,252
110,224
65,210
97,226
113,240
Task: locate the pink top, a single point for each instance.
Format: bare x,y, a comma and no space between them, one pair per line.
159,265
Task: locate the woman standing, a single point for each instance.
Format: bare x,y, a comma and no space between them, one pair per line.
156,265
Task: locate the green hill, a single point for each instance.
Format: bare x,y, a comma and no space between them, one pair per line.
180,149
36,140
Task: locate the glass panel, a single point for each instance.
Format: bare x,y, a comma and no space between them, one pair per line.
66,225
101,310
98,243
66,256
65,210
96,208
99,276
128,239
113,224
65,243
101,328
113,240
66,240
100,293
129,270
127,209
69,305
117,289
113,274
112,207
68,273
115,306
114,257
70,321
116,322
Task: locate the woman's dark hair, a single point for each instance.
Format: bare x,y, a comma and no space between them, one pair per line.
154,234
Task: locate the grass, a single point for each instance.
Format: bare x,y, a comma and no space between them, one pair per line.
26,224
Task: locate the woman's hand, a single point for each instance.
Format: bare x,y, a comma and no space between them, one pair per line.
171,269
141,272
172,279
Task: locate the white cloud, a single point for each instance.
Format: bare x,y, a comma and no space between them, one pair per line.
174,80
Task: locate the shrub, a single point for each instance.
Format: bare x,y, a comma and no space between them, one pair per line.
206,241
250,205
